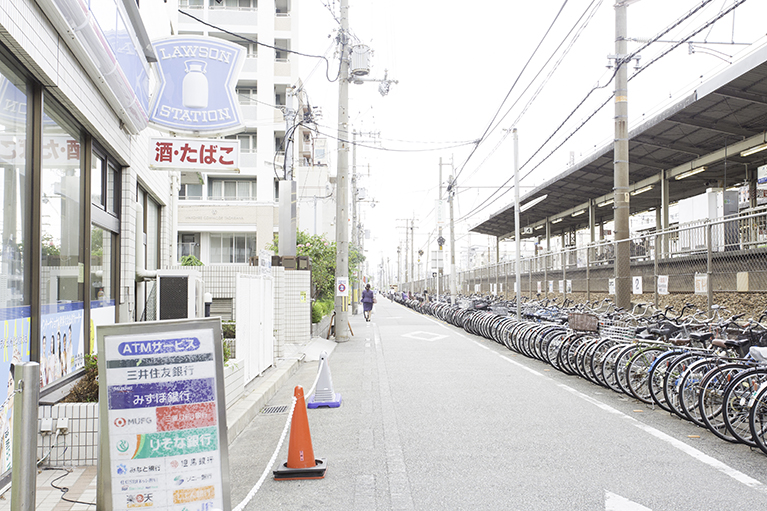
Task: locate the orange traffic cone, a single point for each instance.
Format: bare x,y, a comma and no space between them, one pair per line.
301,463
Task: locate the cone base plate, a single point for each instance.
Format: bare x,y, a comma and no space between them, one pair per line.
311,403
286,474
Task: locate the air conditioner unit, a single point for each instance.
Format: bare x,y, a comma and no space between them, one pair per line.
179,294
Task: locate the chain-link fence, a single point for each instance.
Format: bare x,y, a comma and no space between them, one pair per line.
721,261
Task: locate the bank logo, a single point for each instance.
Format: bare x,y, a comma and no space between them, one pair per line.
122,469
120,422
123,445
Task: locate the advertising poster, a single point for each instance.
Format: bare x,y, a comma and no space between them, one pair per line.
61,345
15,348
165,418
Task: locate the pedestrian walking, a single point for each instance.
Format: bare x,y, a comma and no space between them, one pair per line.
368,299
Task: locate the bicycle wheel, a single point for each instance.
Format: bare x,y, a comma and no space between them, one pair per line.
608,366
598,357
621,367
638,372
757,419
711,398
672,381
658,374
737,397
690,388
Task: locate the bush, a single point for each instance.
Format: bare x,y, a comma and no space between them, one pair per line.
320,309
87,389
190,260
230,329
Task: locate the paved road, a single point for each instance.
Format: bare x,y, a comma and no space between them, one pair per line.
433,418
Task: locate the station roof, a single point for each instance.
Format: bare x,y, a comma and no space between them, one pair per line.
709,128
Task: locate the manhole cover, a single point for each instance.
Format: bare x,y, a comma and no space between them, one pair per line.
271,410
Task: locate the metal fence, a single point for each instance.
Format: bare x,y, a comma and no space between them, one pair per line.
720,261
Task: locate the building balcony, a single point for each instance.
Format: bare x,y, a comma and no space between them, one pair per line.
282,68
250,65
283,22
245,19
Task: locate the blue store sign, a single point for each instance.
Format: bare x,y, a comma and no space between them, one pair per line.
196,93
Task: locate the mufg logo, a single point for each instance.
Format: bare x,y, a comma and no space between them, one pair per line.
198,76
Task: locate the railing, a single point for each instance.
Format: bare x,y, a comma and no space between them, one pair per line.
191,248
721,261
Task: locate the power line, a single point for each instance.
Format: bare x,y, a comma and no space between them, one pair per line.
256,42
498,111
626,59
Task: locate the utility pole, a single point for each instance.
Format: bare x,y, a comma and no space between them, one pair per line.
412,254
450,195
621,161
287,187
355,234
342,186
440,239
518,245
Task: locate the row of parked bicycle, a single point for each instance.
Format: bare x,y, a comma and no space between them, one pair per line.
710,371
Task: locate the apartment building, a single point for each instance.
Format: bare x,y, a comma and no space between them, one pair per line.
230,218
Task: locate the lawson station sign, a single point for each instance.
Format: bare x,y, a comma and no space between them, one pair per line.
196,93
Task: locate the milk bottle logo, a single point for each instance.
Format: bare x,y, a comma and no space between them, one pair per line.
195,85
196,89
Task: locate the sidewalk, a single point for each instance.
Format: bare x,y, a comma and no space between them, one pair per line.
81,481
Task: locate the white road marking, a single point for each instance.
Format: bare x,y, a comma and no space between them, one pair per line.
424,336
678,444
521,366
615,502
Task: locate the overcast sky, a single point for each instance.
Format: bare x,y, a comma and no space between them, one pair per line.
457,61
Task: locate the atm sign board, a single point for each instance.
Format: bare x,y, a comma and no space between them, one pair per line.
163,411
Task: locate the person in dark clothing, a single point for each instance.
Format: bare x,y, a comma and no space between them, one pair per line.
368,298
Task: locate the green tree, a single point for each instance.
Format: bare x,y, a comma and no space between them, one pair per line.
323,256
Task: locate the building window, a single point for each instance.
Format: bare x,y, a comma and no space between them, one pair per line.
247,141
282,49
276,190
280,95
61,289
190,4
190,192
14,217
243,5
188,244
251,49
247,95
105,178
282,7
232,189
232,248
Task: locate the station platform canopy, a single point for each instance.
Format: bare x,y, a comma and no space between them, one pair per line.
703,141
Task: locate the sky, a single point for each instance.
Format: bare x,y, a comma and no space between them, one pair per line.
509,64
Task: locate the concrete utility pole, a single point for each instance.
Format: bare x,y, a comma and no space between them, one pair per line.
440,239
412,254
517,241
355,235
342,185
453,276
621,161
287,187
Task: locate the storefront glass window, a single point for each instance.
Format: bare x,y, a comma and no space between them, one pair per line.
14,306
61,290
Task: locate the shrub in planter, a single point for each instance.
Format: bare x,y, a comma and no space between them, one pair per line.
87,389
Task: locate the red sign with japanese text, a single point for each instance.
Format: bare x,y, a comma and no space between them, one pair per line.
210,155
